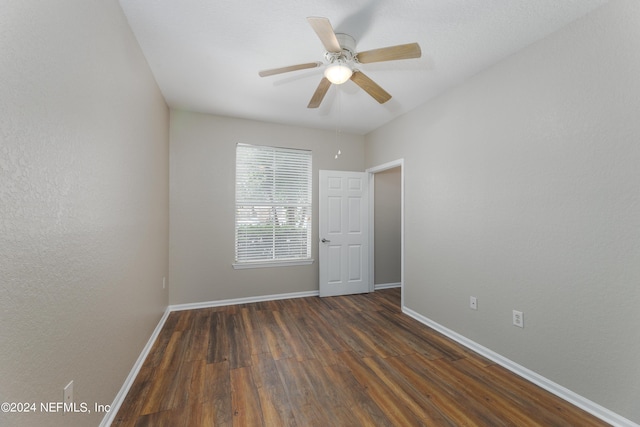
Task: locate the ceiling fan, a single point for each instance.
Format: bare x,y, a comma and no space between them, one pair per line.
343,59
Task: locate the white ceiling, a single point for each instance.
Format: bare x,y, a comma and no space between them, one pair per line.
206,54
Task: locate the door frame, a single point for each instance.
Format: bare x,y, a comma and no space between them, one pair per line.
372,171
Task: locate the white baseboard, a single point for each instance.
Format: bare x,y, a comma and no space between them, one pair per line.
247,300
387,286
117,402
581,402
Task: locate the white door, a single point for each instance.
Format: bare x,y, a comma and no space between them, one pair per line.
344,233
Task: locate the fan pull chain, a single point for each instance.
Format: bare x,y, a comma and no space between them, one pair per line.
338,130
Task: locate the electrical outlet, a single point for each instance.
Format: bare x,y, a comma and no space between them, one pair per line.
164,282
68,394
473,303
518,318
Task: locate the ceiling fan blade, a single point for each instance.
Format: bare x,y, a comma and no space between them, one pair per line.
325,33
319,94
271,72
391,53
371,87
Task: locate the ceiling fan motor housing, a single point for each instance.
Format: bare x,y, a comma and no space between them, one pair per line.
348,54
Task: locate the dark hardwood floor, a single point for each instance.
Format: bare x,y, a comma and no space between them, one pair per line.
340,361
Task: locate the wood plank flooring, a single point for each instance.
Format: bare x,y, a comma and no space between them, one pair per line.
340,361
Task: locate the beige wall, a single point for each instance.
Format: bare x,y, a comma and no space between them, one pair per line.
387,226
522,188
203,199
83,205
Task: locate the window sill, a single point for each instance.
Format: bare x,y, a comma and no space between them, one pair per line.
264,264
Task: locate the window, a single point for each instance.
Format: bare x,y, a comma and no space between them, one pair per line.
273,206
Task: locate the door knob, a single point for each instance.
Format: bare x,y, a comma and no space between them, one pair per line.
326,241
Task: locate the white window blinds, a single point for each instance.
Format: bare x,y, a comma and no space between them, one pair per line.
273,204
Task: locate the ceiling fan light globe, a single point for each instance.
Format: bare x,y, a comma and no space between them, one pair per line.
338,73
